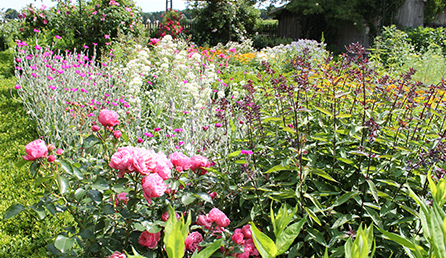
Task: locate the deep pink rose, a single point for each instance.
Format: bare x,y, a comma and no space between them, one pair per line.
117,255
108,117
95,128
59,151
199,163
237,237
213,195
35,149
204,221
51,158
148,239
180,161
193,240
121,198
117,134
217,216
246,230
153,186
121,159
165,216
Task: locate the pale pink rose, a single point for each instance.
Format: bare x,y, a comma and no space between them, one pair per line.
217,216
180,161
117,255
153,186
108,117
144,161
51,158
193,240
237,237
246,230
121,159
59,151
198,163
163,166
148,239
35,149
204,221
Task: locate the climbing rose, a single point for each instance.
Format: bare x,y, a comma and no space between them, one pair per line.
35,149
193,240
148,239
108,117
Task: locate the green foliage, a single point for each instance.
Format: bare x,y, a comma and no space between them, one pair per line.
424,37
223,21
85,24
362,245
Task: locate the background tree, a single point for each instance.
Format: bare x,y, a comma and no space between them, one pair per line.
222,20
11,14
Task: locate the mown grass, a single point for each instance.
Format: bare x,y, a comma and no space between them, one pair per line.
25,235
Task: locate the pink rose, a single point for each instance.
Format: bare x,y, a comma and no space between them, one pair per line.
213,195
95,128
51,147
246,230
217,216
117,255
59,151
117,134
35,149
121,159
108,117
199,162
148,239
165,216
232,49
143,160
153,186
121,197
180,161
237,237
204,221
193,240
163,166
51,158
250,247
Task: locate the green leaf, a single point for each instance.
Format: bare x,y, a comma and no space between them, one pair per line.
234,154
280,168
51,208
264,244
66,166
324,111
63,243
209,250
204,196
373,190
313,216
34,168
90,141
323,174
13,211
401,240
284,241
344,198
63,184
187,199
41,213
21,163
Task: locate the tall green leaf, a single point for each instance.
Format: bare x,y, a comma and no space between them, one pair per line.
264,244
284,241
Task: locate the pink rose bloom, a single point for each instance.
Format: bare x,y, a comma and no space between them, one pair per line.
213,195
121,159
232,49
153,186
163,166
217,216
35,149
250,247
51,158
246,230
59,151
243,255
95,128
51,147
165,216
117,134
143,160
204,221
199,162
148,239
108,117
121,197
193,240
117,255
180,161
238,237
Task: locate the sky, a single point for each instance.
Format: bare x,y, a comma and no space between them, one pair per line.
146,5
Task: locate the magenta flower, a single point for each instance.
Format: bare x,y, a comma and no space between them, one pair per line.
57,37
217,125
